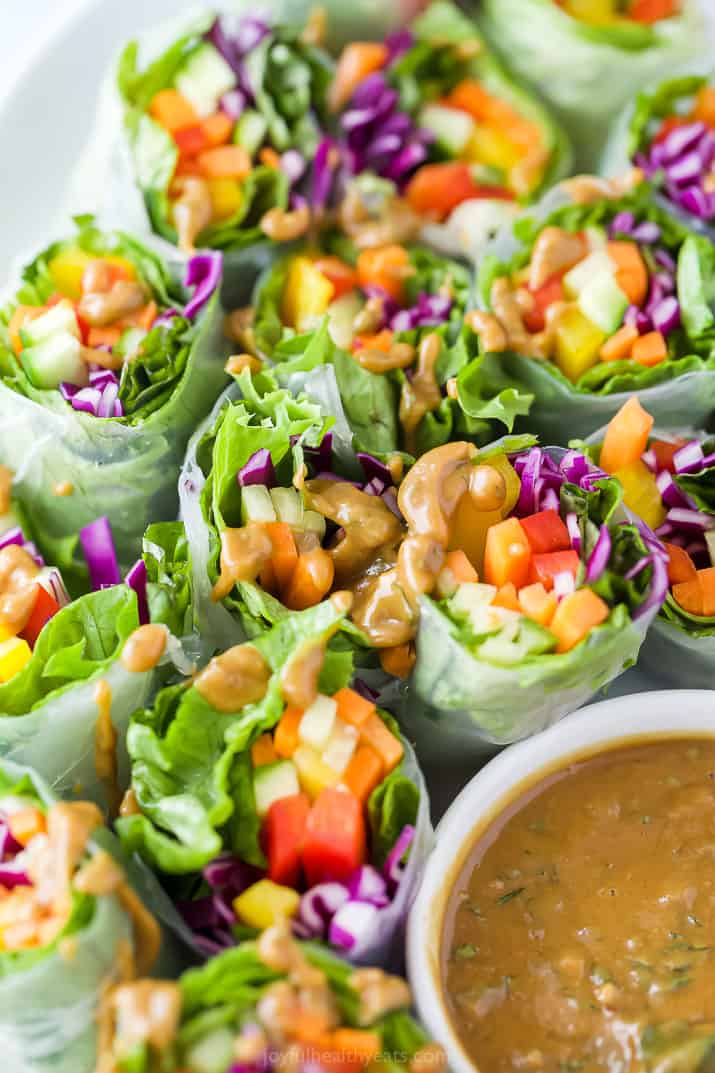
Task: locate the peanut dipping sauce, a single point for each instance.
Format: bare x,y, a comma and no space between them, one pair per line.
580,932
385,564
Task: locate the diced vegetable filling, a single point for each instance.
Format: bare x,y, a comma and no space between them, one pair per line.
592,297
669,484
459,141
612,12
677,151
312,778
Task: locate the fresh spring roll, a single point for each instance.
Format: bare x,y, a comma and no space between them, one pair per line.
71,926
266,788
266,1005
669,133
439,138
668,480
534,590
107,364
587,58
73,671
395,338
605,296
222,127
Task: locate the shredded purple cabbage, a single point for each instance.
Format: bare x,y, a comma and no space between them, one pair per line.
681,163
203,273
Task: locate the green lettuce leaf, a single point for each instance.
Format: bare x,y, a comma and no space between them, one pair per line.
167,557
671,97
188,774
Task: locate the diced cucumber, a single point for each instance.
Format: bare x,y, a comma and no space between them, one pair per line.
318,721
341,317
250,131
204,79
471,597
451,127
60,319
256,504
511,646
53,360
213,1053
604,303
271,782
578,278
288,505
341,746
710,541
314,523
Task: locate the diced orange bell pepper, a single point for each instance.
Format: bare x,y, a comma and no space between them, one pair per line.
352,708
172,111
263,752
705,106
398,660
620,345
538,604
507,597
471,97
374,733
269,157
435,190
689,594
650,11
386,267
575,617
357,60
650,349
507,554
349,1050
680,566
310,581
626,436
217,129
364,772
191,141
285,553
343,276
546,531
631,271
706,580
26,823
285,738
109,336
225,162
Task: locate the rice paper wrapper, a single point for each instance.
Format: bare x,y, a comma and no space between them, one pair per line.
58,738
599,68
127,472
104,179
558,412
47,1013
461,705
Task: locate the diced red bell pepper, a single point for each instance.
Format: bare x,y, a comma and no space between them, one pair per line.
546,532
544,568
436,189
545,296
335,839
45,607
664,451
669,124
283,834
191,141
343,276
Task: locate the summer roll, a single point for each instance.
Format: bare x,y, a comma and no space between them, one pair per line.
107,364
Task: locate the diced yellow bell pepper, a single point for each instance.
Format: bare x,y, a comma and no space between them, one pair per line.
14,654
468,531
489,145
306,295
226,197
640,493
314,775
594,11
66,270
265,903
119,262
578,343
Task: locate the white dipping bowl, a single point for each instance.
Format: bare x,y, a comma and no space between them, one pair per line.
597,728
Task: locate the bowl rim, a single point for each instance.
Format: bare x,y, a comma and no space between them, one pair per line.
600,727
